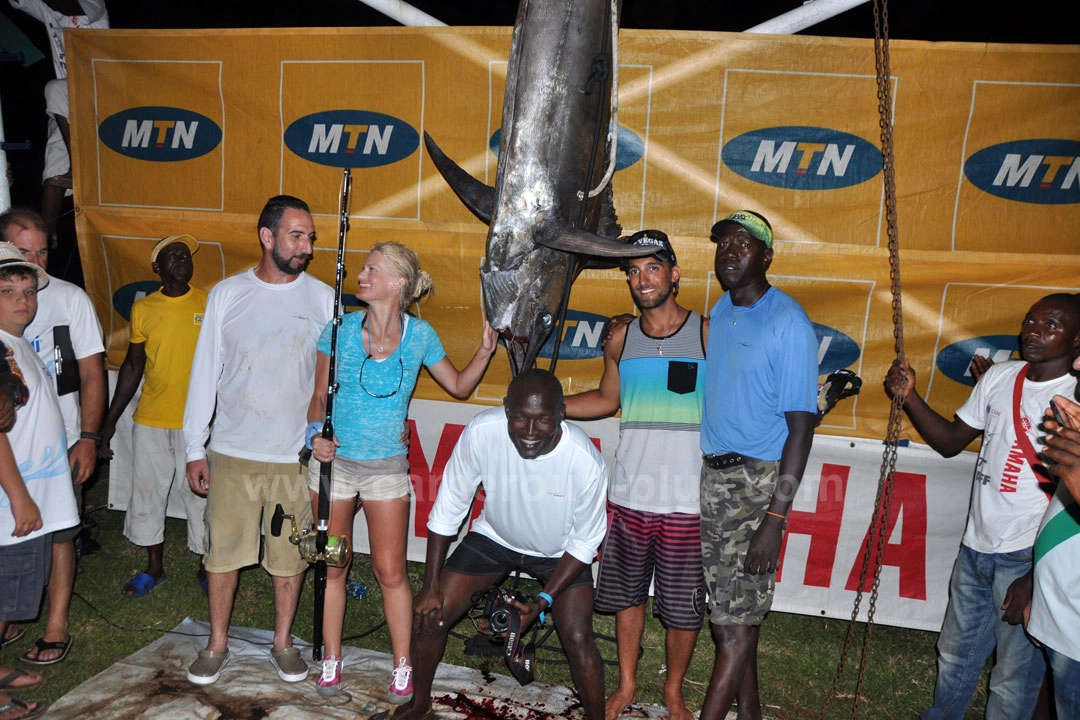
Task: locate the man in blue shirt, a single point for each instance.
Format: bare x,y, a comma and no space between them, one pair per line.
756,430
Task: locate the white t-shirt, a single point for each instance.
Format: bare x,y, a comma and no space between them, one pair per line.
1007,501
544,507
37,440
255,364
61,303
94,16
1055,602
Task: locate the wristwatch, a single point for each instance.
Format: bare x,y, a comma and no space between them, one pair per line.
96,437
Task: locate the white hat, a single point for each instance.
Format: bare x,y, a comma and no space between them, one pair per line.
11,256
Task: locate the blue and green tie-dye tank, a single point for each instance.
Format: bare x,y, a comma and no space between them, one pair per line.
661,390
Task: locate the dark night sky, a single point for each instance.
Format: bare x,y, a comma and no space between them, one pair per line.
1035,21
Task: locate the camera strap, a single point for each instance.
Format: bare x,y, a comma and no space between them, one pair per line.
519,658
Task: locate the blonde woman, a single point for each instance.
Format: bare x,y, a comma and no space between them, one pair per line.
379,354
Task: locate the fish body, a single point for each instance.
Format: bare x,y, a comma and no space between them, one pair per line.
545,225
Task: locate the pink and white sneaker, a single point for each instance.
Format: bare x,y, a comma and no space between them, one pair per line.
329,680
401,688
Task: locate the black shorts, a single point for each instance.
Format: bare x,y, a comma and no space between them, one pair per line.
480,555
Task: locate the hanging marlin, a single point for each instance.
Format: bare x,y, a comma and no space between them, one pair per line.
550,213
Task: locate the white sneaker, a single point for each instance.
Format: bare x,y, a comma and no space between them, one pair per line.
401,687
330,679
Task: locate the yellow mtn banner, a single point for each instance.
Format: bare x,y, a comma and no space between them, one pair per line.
191,131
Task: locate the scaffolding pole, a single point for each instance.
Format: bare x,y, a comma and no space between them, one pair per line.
811,13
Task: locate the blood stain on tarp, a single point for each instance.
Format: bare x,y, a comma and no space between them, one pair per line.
165,683
491,709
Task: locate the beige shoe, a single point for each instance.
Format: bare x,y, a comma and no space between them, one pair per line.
289,665
207,667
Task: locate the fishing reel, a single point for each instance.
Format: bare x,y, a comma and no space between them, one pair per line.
338,550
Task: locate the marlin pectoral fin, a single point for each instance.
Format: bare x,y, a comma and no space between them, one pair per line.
571,239
478,197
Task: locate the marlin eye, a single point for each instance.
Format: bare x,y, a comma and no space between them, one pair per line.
546,320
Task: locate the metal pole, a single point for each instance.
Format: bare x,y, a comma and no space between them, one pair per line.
811,13
5,191
404,13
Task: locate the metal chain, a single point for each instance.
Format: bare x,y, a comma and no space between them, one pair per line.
874,552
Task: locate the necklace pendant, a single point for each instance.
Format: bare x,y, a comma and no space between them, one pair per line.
660,348
380,348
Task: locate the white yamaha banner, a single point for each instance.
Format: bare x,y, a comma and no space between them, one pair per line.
827,529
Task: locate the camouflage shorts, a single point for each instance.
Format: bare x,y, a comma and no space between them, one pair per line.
733,504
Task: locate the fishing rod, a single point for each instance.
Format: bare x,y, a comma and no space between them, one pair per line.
322,520
316,545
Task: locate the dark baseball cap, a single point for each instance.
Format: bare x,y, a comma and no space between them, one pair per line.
651,238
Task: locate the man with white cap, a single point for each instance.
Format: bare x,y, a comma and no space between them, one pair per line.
67,337
35,490
164,329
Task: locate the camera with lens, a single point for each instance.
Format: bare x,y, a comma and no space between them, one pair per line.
498,605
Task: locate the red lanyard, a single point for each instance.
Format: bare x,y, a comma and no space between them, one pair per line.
1022,439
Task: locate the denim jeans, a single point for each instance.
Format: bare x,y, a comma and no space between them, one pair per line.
970,632
1066,683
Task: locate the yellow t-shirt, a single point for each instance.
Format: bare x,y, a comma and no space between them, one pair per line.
169,326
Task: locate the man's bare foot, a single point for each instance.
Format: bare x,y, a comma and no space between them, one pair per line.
408,711
677,710
619,701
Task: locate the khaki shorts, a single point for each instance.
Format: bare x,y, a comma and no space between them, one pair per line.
239,508
733,505
383,479
160,460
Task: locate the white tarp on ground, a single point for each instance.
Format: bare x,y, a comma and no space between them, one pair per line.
152,683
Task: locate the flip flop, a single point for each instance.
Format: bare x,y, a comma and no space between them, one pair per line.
8,681
17,704
14,638
41,646
141,584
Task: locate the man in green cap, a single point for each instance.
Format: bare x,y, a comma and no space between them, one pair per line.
757,426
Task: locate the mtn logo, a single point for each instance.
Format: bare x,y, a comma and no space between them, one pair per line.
1043,171
802,158
160,134
351,138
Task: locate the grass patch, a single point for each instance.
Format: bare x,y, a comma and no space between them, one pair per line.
798,654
